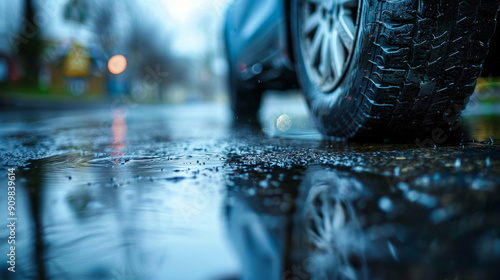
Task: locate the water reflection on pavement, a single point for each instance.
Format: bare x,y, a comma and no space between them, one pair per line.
179,193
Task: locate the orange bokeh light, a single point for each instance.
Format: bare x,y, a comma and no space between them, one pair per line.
117,64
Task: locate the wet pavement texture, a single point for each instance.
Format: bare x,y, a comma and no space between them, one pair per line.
179,192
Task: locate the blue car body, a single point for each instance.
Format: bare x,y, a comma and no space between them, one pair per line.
257,42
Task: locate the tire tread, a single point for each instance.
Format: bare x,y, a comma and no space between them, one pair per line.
428,56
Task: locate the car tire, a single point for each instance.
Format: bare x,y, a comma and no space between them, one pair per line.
244,96
410,73
245,99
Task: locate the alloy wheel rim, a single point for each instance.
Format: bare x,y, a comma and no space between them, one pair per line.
328,31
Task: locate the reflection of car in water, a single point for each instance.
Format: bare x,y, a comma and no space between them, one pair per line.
399,68
309,234
333,224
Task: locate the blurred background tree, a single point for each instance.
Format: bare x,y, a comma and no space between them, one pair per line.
170,44
29,45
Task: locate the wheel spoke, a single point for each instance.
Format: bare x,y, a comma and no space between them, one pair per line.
325,67
312,22
315,48
346,29
338,55
339,216
328,217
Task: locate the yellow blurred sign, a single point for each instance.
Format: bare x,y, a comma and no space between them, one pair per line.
77,62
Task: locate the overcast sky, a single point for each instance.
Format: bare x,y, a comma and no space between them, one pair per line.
193,24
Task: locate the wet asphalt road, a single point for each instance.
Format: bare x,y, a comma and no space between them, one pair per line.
179,192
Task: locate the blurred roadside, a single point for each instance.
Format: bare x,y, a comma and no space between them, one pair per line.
71,53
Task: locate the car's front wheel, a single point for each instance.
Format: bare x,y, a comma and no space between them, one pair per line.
389,68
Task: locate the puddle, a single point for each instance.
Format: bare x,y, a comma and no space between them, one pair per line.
179,193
